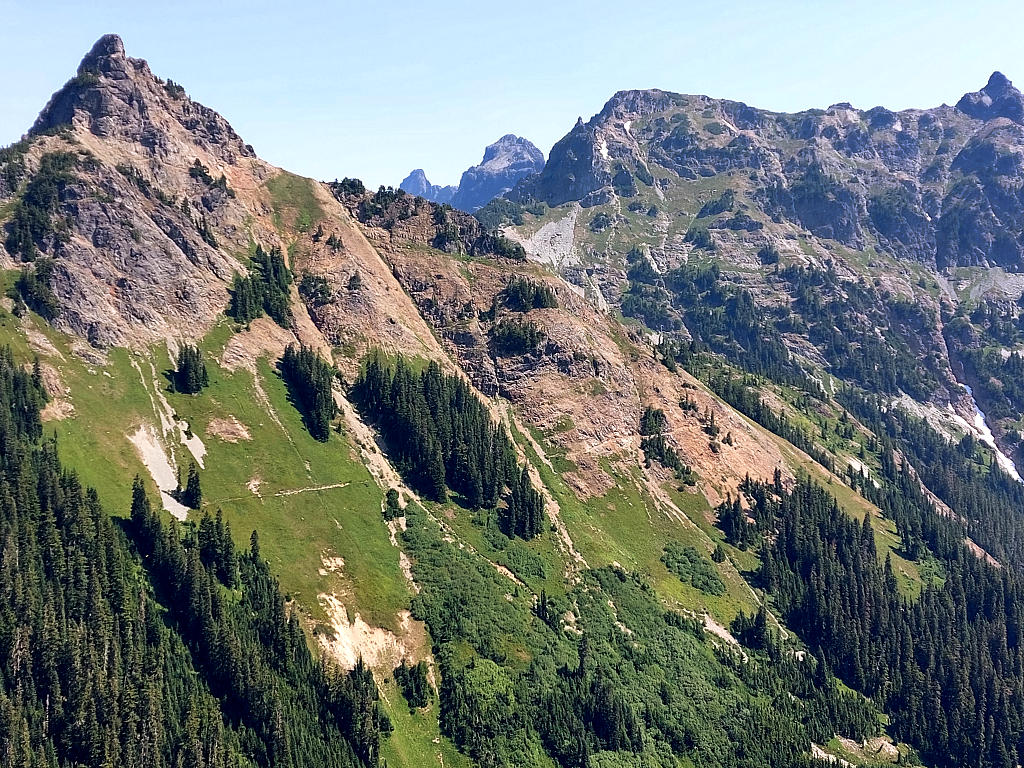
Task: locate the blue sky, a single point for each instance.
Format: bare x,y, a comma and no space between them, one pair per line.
374,89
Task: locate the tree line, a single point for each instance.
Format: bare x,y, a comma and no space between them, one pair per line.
264,290
443,438
310,380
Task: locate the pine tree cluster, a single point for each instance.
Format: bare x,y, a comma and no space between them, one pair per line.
947,665
442,437
310,378
412,680
150,644
33,289
190,374
516,337
523,294
265,290
191,494
657,448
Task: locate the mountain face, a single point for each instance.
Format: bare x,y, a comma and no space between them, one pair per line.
416,183
706,458
931,193
505,162
936,185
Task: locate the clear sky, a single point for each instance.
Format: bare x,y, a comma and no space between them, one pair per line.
375,89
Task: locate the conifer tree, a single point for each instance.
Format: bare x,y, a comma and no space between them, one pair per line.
442,437
192,496
190,375
311,380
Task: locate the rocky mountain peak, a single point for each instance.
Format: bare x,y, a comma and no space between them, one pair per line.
107,57
512,150
114,96
636,103
505,162
997,81
417,183
997,99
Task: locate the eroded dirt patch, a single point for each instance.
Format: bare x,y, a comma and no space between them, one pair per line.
230,430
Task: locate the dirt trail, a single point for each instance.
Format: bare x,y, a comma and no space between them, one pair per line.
308,489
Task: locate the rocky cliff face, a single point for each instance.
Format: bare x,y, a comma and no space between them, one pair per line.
505,163
161,203
938,185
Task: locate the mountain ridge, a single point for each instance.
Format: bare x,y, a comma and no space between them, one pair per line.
723,399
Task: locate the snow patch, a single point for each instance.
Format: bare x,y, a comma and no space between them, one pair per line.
983,432
164,473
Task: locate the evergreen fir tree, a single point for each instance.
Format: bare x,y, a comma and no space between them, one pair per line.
192,496
190,375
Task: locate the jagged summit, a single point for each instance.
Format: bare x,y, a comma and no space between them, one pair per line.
417,183
997,99
116,96
504,163
106,56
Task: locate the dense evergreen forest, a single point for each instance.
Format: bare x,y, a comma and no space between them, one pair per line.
149,643
443,438
946,665
264,290
310,381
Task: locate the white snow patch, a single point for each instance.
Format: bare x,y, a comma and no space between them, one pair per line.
163,472
983,432
602,147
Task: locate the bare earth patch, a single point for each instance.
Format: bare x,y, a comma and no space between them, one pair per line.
263,337
352,639
230,430
59,405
